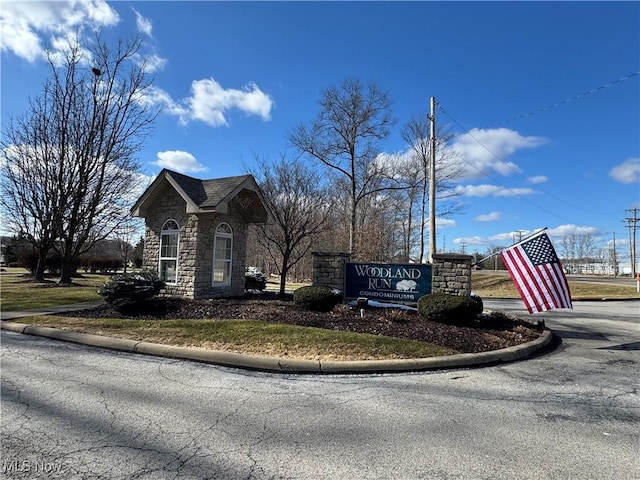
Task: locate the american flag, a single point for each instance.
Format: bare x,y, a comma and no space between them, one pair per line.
535,269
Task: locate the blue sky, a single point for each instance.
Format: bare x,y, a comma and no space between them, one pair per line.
544,97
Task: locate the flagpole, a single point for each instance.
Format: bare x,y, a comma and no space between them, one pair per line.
513,245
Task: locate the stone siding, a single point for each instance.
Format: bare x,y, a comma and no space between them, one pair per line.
195,249
329,269
451,274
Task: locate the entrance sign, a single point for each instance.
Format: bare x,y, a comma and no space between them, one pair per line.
385,282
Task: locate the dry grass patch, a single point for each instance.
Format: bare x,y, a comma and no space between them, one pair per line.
501,286
250,337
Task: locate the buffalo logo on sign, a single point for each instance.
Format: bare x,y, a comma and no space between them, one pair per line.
400,283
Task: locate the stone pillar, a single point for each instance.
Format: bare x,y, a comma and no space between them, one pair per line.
329,269
451,273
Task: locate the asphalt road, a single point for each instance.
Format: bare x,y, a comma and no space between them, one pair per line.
74,412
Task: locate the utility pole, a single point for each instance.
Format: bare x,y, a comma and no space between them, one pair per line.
432,183
615,257
632,224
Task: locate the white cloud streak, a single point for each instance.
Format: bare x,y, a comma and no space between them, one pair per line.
211,104
505,239
489,217
538,179
491,191
627,172
28,28
179,161
486,151
144,24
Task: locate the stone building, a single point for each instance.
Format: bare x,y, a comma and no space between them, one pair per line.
195,232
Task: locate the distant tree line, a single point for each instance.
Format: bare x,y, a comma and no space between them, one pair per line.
105,256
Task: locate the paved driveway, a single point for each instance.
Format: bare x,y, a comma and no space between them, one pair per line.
74,412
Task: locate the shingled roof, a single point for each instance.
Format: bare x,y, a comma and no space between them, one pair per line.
201,196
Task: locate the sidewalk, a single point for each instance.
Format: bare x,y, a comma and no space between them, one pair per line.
49,310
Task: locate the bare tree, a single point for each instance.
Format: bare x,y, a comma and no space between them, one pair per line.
415,173
297,200
345,137
30,199
86,127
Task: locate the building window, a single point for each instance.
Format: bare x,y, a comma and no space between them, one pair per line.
169,240
222,255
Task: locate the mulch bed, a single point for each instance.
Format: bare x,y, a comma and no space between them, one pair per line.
488,332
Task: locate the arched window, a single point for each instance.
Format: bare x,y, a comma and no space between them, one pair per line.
222,255
169,241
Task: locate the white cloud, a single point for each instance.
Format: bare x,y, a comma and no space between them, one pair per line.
210,103
178,161
27,27
485,151
445,222
475,240
144,24
489,217
152,62
562,231
627,172
538,179
505,239
491,191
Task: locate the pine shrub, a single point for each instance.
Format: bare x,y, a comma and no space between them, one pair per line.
255,280
131,288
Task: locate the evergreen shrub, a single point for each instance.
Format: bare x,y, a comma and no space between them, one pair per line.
479,303
316,298
131,288
254,280
449,309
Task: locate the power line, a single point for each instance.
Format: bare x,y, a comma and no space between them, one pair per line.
484,173
632,224
467,132
571,99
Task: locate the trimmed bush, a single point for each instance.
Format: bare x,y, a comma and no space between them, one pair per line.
254,280
102,263
131,288
449,309
319,299
479,303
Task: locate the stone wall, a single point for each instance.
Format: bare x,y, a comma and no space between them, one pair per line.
195,249
451,274
172,206
329,269
204,268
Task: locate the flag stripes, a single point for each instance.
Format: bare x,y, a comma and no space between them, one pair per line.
537,273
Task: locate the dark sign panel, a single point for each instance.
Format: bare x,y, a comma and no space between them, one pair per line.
400,283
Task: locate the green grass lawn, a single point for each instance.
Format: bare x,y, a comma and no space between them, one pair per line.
18,292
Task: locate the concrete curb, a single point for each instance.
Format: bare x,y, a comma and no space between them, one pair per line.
288,365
